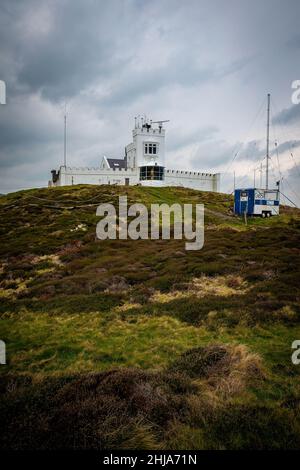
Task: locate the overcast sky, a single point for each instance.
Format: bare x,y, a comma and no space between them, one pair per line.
207,65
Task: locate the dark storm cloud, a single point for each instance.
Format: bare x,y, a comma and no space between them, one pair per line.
76,46
24,125
289,146
14,136
216,152
199,64
290,185
178,140
288,115
294,41
181,70
73,46
212,153
256,149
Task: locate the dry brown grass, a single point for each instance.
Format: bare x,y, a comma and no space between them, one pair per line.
219,285
224,370
117,284
223,286
238,370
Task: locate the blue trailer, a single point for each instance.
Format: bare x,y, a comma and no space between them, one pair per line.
253,201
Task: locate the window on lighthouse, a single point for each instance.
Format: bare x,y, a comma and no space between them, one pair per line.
151,172
150,148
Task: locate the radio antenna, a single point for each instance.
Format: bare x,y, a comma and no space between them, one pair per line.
268,141
65,136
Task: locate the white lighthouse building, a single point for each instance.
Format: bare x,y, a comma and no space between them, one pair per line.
143,163
146,153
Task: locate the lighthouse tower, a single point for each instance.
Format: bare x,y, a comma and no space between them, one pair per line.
146,153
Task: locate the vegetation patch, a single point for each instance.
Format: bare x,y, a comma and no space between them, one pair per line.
142,344
228,369
132,408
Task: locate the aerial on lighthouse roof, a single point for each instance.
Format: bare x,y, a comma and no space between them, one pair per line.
143,164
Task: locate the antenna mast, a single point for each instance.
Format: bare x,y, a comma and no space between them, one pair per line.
65,137
260,180
268,139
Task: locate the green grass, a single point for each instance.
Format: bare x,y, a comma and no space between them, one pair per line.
71,306
50,344
47,344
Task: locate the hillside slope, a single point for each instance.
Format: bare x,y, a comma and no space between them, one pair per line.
142,344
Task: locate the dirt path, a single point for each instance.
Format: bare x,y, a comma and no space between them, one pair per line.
218,214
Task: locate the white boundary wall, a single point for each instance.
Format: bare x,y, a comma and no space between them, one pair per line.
187,179
193,180
70,176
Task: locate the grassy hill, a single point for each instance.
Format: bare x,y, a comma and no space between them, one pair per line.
142,344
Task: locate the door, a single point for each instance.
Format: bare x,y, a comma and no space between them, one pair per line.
244,202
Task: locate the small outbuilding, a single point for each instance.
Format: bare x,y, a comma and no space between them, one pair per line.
253,201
